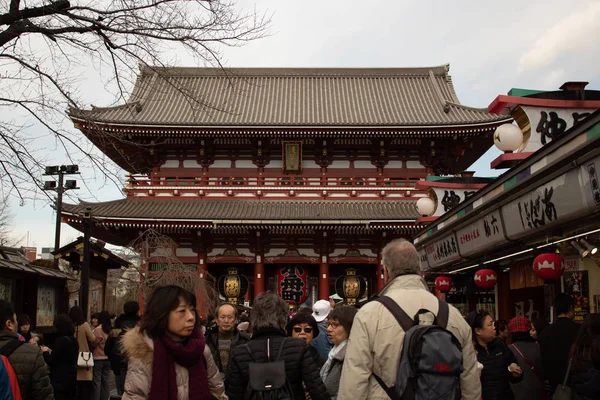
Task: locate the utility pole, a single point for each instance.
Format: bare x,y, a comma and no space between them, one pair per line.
60,189
84,290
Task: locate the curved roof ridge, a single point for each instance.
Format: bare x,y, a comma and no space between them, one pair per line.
231,72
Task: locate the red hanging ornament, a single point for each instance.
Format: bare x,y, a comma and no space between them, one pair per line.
548,266
443,283
486,278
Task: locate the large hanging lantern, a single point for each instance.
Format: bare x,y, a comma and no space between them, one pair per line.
486,278
233,285
548,266
443,283
350,287
291,284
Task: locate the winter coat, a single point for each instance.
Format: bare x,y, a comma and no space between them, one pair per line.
319,360
332,382
63,364
585,384
212,341
495,377
376,342
299,365
322,343
123,323
86,340
139,348
555,347
30,368
532,385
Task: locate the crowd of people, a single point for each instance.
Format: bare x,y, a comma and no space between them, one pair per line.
326,352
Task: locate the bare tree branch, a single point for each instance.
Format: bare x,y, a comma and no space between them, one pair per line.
39,78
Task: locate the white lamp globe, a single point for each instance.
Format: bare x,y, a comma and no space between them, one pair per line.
508,137
425,206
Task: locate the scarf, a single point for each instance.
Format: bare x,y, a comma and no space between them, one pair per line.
167,352
326,369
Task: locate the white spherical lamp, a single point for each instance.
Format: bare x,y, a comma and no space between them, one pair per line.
425,206
508,137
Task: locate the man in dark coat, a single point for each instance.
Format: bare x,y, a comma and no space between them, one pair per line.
118,362
27,359
557,339
224,337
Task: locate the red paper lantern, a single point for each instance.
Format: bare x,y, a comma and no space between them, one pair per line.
291,284
548,266
443,283
486,278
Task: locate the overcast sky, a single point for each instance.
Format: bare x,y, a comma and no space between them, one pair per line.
491,47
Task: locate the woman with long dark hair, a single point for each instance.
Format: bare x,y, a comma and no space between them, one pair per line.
500,367
168,358
101,362
62,359
585,367
86,341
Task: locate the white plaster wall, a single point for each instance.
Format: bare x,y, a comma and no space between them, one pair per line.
220,164
308,164
394,164
184,252
216,251
274,164
340,164
414,164
275,252
244,164
170,164
363,164
191,164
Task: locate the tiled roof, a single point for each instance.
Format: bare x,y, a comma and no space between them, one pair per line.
248,210
270,97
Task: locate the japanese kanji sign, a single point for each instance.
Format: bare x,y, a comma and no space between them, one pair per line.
481,234
442,251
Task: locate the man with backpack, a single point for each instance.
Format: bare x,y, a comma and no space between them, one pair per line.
26,358
118,362
439,360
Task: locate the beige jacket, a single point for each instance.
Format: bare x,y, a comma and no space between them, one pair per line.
87,341
139,349
376,339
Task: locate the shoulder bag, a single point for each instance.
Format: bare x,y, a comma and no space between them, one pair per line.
563,392
85,358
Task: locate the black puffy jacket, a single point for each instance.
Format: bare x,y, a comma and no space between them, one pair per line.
585,382
63,364
495,377
299,365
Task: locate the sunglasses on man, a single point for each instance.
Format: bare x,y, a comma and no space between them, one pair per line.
307,329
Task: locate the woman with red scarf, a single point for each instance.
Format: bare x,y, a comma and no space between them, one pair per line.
168,359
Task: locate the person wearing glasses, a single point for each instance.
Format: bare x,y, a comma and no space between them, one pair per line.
224,337
338,330
304,326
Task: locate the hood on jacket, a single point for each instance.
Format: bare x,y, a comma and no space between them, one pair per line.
408,281
138,346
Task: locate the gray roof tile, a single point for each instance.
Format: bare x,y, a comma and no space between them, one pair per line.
205,210
206,97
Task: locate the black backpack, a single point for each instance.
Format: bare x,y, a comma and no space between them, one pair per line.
431,360
267,380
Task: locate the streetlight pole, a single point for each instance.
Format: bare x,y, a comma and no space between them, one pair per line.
59,194
84,291
60,189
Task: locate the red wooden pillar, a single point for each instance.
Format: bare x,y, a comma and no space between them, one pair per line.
200,292
143,269
324,279
259,276
259,268
380,276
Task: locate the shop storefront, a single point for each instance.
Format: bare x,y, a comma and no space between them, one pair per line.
547,203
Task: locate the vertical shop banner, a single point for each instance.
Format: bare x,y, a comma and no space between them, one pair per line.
577,285
46,306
